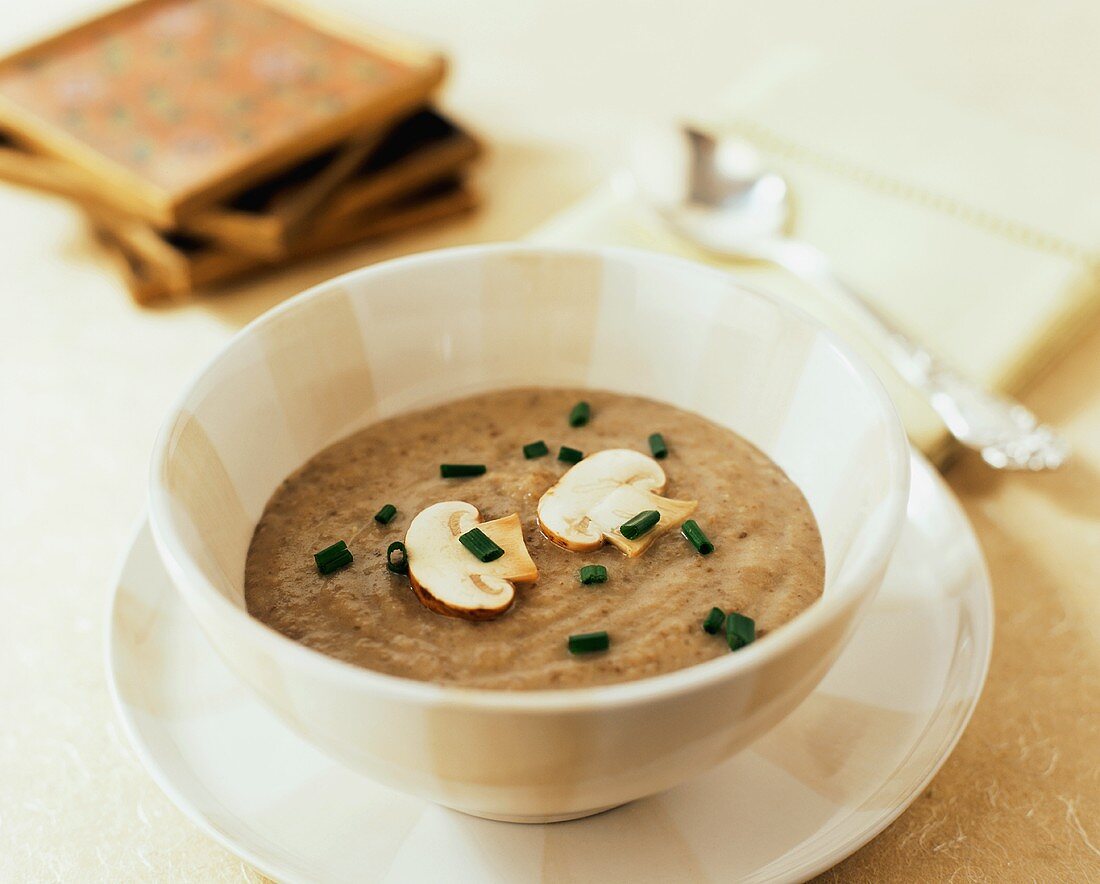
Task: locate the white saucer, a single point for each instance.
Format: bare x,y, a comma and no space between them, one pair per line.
808,794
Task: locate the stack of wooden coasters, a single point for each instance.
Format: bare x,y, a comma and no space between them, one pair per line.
208,138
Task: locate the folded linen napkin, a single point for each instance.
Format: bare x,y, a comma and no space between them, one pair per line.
979,240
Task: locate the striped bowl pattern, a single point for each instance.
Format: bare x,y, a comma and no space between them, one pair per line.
432,327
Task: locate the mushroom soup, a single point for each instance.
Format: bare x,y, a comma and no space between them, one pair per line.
535,538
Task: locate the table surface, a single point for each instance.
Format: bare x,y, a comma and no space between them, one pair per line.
555,87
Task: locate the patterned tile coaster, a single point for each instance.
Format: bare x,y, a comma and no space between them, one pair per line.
174,104
368,170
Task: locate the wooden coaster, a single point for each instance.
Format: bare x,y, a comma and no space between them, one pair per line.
159,266
368,170
170,105
20,165
267,220
256,222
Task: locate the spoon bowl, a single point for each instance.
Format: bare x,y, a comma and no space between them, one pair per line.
714,192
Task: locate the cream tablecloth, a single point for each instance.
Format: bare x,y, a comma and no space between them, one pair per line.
555,87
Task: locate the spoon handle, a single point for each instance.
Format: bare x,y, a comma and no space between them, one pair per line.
1007,434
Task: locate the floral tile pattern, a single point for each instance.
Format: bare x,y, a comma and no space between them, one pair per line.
181,92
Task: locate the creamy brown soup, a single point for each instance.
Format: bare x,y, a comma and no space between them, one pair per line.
767,563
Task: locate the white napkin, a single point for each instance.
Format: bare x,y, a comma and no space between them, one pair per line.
979,240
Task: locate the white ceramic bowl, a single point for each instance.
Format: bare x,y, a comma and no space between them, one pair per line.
436,326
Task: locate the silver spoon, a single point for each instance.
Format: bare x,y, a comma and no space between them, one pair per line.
716,193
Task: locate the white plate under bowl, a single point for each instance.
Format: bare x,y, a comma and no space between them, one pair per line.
824,782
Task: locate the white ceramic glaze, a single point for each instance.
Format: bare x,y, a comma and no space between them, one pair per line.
432,327
819,785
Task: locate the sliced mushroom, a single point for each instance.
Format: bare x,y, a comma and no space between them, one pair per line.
448,578
589,503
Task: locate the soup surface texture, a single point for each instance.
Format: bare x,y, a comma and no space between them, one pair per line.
767,563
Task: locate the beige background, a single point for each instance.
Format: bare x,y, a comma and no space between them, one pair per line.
555,86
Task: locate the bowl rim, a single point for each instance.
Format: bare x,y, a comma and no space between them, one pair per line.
197,591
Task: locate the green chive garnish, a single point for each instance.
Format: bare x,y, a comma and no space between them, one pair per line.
330,551
657,446
593,574
481,545
714,620
697,538
570,455
587,642
578,417
332,557
385,515
461,470
740,631
398,564
535,449
337,562
634,528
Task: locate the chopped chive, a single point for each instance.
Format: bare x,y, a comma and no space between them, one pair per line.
570,455
535,449
697,538
385,515
740,631
587,642
337,562
337,547
635,527
332,557
578,417
461,470
714,620
481,545
593,574
400,565
657,446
